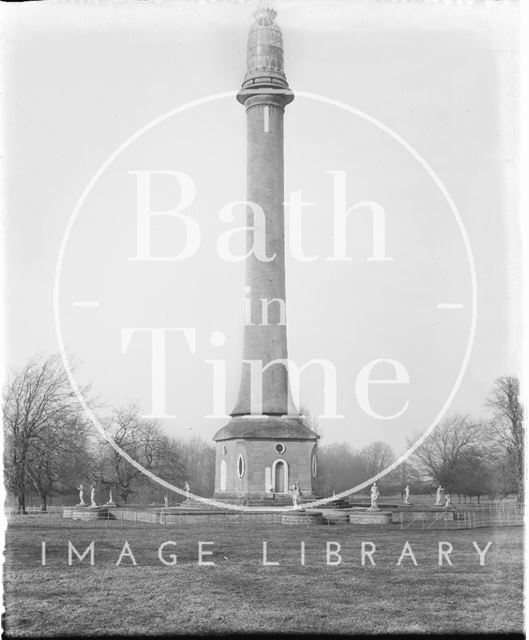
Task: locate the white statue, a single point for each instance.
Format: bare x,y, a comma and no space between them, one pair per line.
438,495
166,501
448,502
110,500
93,496
187,489
295,494
81,496
407,495
375,495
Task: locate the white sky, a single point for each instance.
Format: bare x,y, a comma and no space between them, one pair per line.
79,79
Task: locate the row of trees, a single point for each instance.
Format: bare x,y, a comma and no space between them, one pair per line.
467,457
44,432
50,449
473,458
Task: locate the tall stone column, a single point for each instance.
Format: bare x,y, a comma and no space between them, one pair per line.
265,447
265,93
265,336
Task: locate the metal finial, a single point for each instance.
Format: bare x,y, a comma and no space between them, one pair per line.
265,9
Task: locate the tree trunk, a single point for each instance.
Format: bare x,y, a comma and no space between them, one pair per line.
520,499
43,502
21,503
20,471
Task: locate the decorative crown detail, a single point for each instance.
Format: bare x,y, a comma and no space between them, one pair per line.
265,10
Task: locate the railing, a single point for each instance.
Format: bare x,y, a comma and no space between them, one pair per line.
494,515
13,511
68,517
478,516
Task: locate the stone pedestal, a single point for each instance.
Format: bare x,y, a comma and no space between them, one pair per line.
86,513
369,516
335,516
307,518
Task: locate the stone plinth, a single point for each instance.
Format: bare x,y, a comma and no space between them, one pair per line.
190,504
334,516
262,499
181,516
367,516
87,513
307,518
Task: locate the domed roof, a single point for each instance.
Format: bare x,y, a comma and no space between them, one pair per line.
265,428
264,58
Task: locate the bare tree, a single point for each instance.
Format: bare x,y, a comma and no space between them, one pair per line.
376,457
339,468
473,473
199,465
309,420
144,441
507,424
504,476
41,415
442,453
406,474
60,457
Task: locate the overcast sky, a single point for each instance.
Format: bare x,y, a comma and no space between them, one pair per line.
80,79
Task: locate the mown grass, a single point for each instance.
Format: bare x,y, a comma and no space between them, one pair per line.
240,594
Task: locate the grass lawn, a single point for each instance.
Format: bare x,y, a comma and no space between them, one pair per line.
240,594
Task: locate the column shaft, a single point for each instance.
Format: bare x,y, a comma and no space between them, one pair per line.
265,187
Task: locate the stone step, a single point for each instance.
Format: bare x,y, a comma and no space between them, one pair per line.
87,513
302,517
334,516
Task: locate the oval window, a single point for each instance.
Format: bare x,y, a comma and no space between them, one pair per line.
314,466
240,466
280,448
225,449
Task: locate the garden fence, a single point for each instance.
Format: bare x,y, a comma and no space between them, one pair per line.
492,515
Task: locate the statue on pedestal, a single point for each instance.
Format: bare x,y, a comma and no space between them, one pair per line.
448,501
110,502
166,501
82,503
407,495
438,496
93,496
295,494
187,489
375,495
